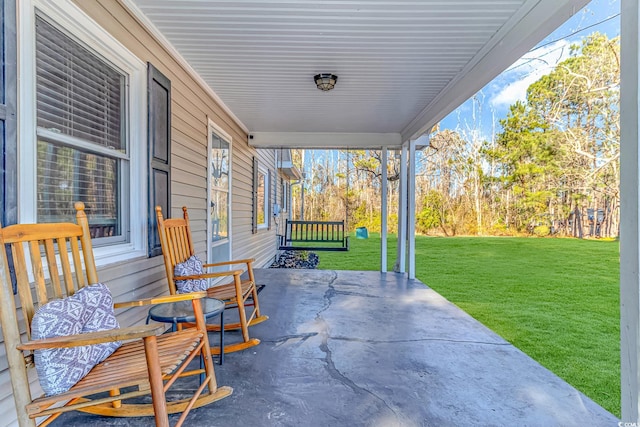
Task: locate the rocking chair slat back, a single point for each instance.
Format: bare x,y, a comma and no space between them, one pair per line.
47,285
178,246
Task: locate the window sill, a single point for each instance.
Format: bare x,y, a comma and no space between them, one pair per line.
107,255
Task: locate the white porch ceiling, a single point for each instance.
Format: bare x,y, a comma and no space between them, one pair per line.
401,65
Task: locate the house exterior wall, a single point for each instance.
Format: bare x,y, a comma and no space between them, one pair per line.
263,242
191,107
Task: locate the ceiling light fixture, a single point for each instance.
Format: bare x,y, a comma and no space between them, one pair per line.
325,81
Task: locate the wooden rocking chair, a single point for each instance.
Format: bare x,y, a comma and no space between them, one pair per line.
177,247
146,363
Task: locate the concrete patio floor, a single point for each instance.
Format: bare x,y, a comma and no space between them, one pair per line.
347,348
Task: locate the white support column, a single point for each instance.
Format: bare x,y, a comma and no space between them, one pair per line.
629,217
411,211
383,212
401,263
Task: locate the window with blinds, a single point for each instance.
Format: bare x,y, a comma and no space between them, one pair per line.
81,128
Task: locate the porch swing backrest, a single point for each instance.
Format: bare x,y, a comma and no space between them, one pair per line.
322,236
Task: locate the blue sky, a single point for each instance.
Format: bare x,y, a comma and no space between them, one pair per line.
482,112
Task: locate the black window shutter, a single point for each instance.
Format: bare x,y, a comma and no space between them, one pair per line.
254,211
159,152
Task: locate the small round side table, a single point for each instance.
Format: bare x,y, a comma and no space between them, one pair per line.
182,312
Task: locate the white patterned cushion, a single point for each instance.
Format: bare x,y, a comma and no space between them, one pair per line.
191,267
88,310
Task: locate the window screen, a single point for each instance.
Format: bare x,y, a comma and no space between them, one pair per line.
77,93
82,153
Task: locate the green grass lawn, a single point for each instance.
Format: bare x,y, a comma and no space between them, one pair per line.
555,299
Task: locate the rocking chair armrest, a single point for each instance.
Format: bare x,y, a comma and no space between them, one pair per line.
161,300
247,261
210,275
89,338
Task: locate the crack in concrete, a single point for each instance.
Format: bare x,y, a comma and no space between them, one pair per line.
328,295
328,359
337,375
342,338
358,294
285,338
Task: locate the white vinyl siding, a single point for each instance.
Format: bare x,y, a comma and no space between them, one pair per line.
261,245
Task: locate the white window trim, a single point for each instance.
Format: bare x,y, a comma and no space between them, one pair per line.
267,198
66,14
214,128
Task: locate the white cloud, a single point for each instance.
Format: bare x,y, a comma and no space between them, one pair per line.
516,91
526,71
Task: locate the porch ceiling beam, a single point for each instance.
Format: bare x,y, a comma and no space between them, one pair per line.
324,140
532,23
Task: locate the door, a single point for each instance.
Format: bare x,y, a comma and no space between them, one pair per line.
219,198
